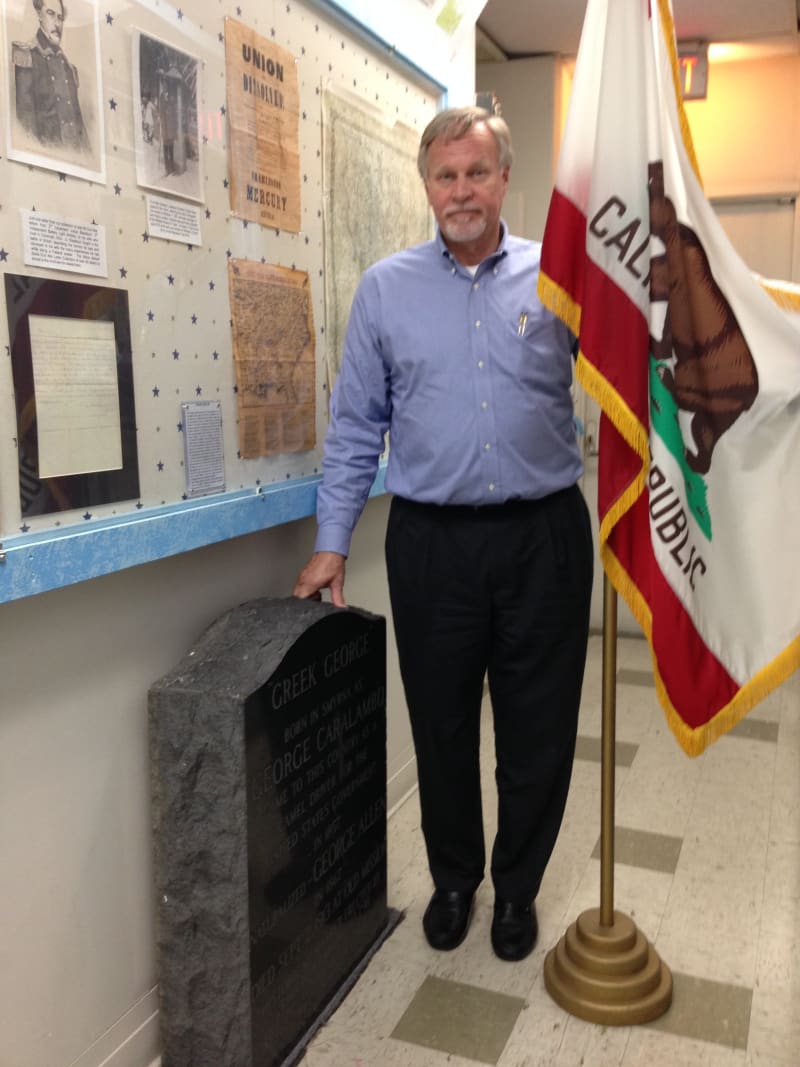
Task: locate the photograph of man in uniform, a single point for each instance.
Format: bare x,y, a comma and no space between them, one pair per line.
46,83
166,91
55,114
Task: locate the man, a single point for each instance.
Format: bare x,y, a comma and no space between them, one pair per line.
46,83
488,546
168,116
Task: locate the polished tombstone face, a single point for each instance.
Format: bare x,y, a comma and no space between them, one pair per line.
466,187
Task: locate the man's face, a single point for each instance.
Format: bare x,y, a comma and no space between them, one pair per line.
466,187
51,20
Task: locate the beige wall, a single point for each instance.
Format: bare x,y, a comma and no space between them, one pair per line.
528,90
746,132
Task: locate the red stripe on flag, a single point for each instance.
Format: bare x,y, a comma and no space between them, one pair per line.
697,684
564,233
613,329
614,338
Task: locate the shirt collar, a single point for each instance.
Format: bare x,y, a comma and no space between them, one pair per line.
501,251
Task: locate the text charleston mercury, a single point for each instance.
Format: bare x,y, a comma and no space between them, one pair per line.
260,186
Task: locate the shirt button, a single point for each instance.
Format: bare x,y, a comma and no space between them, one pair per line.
487,446
484,405
480,364
475,285
491,487
477,324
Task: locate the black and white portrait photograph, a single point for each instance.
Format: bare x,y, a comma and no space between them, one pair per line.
55,114
166,125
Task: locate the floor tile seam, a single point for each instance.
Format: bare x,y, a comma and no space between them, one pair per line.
697,819
717,868
749,837
498,1008
683,972
681,880
727,876
497,987
620,860
659,924
644,831
522,1021
770,822
793,841
741,973
759,776
641,867
736,742
688,784
631,797
726,793
773,914
713,996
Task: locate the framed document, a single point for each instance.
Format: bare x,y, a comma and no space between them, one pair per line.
73,386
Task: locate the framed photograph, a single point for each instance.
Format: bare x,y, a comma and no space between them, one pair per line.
54,89
166,93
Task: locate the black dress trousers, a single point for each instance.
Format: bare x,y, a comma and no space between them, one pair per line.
502,591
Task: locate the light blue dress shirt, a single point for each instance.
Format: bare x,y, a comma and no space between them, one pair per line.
470,373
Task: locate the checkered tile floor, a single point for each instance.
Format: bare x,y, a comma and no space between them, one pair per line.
707,864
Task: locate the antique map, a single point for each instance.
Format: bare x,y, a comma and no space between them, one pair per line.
374,204
273,352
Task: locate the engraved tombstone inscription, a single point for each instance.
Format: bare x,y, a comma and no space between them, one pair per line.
268,745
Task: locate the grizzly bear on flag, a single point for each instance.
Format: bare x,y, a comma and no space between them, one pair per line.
706,364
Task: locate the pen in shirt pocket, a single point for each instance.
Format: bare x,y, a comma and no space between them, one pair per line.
523,322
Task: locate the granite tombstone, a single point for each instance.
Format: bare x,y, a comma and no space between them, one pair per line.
268,757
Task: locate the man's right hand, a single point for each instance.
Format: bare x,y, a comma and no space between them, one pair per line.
325,570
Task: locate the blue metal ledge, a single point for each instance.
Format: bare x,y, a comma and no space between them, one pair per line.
37,563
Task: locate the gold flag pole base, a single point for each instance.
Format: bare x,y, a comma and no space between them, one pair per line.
608,974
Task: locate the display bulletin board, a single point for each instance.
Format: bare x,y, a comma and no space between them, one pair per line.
118,238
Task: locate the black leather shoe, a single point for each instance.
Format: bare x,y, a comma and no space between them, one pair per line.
514,929
446,918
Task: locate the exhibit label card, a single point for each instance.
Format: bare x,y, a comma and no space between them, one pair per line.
173,221
62,244
202,447
77,395
263,113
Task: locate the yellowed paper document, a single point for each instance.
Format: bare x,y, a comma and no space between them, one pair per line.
274,356
77,396
263,115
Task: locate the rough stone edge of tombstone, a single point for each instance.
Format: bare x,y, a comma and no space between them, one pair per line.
205,1002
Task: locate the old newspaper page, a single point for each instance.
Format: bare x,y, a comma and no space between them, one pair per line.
263,115
274,357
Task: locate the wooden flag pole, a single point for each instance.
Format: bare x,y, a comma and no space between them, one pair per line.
604,969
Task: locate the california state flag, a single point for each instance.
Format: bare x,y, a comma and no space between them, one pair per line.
696,367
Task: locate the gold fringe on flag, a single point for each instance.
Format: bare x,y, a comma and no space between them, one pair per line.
668,29
785,297
559,301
